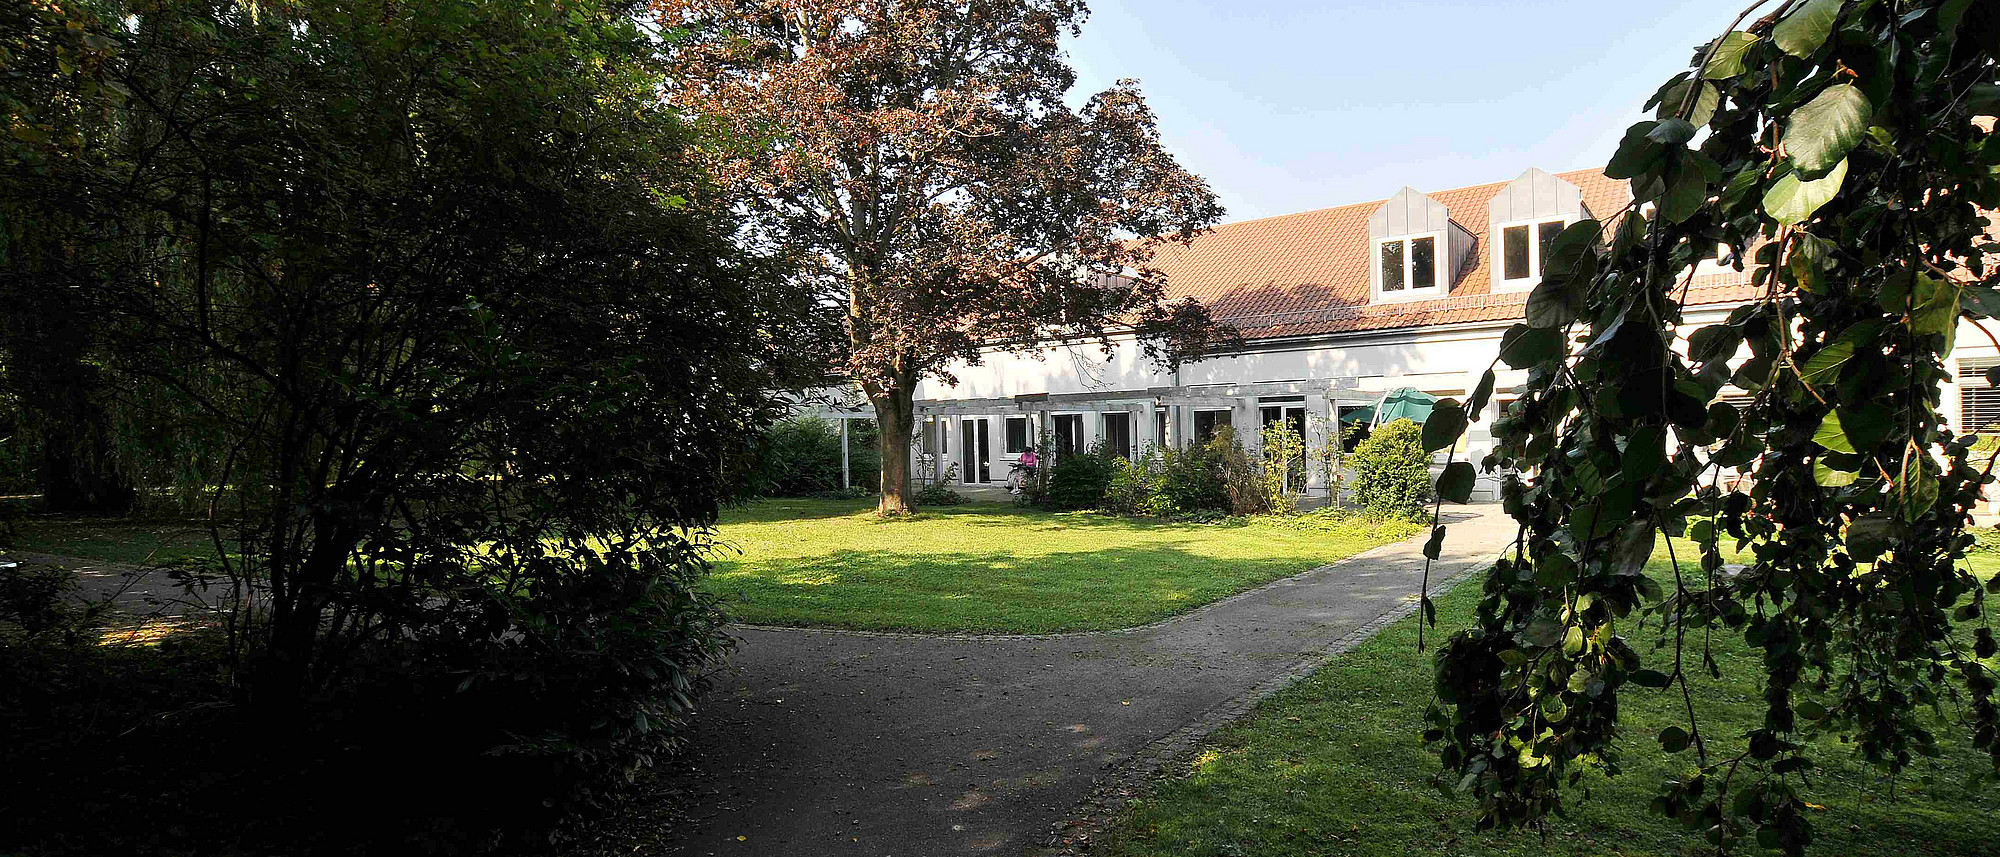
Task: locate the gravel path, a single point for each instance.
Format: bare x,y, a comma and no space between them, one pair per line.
842,743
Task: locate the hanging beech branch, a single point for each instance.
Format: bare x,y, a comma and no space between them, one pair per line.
1839,150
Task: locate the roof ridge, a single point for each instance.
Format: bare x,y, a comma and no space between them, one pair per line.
1561,175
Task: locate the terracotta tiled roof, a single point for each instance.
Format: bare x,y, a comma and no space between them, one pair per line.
1307,273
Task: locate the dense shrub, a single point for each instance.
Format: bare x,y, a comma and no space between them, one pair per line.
1134,485
1392,471
1079,480
1242,475
1192,480
800,457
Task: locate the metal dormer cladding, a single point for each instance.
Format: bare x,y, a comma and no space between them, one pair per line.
1410,212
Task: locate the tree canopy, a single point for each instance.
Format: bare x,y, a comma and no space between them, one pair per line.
431,313
916,159
1839,150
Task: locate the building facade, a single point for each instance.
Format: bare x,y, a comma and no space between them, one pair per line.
1337,307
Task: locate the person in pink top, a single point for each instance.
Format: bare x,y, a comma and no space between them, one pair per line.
1024,470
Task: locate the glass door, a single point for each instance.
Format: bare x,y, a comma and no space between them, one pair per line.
972,451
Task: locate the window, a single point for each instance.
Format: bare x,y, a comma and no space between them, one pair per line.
1206,422
1069,433
1408,267
1978,401
1295,416
1118,433
1524,250
1160,418
1017,435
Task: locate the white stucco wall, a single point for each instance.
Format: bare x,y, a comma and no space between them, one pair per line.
1445,361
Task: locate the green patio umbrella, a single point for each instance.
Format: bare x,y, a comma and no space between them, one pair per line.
1404,403
1356,416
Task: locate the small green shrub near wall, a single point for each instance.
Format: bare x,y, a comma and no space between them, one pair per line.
1392,471
1134,485
1192,481
1080,480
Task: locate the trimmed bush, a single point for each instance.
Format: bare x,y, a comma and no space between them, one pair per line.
1392,471
1080,480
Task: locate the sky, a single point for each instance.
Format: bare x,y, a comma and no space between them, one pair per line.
1292,105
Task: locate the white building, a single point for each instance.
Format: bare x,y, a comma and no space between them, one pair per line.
1337,306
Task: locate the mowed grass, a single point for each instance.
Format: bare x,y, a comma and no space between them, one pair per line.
126,540
1333,766
997,568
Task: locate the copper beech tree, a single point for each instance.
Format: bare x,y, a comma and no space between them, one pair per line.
917,157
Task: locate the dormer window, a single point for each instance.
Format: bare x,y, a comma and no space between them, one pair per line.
1527,215
1419,251
1524,247
1408,266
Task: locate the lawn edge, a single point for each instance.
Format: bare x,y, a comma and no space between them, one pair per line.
1118,786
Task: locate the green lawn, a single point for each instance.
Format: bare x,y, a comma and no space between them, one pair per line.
993,567
112,539
1333,766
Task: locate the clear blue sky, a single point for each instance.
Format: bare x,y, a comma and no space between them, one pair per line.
1291,105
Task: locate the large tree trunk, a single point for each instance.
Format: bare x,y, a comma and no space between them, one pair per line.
894,415
80,472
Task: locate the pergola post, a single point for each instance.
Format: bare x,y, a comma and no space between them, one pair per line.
846,482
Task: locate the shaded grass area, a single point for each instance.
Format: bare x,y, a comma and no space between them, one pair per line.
997,568
126,540
1333,766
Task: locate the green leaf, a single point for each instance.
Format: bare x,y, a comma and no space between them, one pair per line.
1444,425
1714,341
1918,487
1936,310
1831,435
1824,366
1455,483
1803,31
1809,709
1543,632
1435,544
1672,132
1636,152
1633,548
1573,255
1553,303
1573,641
1729,56
1523,346
1475,406
1706,100
1810,257
1791,200
1823,131
1674,739
1645,454
1686,190
1979,301
1827,477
